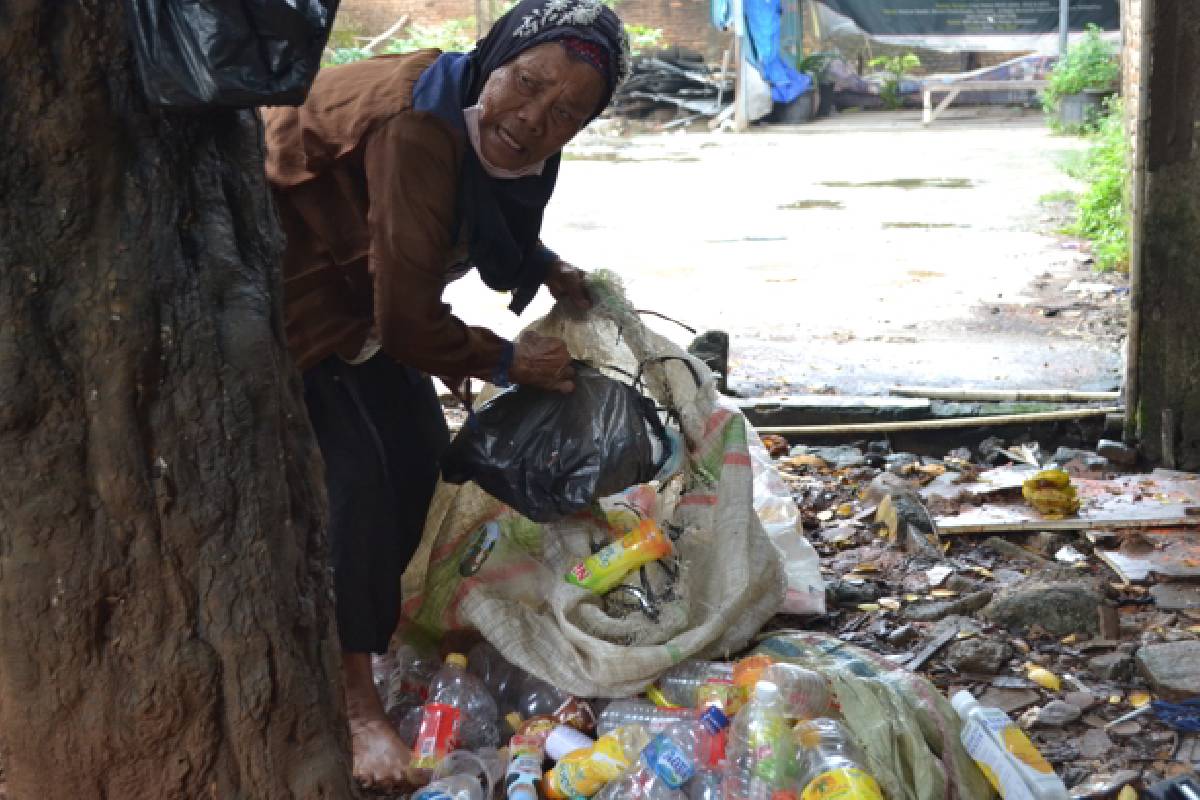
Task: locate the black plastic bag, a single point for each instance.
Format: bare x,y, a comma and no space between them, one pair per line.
549,455
229,53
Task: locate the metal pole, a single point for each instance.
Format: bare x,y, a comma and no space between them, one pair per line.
1064,26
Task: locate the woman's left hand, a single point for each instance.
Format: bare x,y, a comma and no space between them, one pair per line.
566,283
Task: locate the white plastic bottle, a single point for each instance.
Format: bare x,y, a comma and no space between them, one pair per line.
668,762
1008,759
761,750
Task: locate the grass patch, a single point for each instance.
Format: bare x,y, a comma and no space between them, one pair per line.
1102,215
1060,196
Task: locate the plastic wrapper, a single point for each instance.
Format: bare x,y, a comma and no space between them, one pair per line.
549,455
228,53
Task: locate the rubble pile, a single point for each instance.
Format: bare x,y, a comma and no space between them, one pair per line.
1079,627
667,85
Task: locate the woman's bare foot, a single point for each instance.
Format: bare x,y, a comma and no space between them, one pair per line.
381,759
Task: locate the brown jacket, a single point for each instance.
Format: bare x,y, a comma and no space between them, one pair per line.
366,189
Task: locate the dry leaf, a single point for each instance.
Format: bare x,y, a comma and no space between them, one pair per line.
943,593
1114,699
865,566
868,606
890,603
1139,699
912,598
1070,639
1128,793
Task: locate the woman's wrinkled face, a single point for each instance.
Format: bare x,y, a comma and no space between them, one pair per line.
532,106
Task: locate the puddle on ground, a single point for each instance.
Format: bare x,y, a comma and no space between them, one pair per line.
925,225
801,205
617,158
905,183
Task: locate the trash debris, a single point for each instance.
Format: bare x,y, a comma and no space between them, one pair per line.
1050,492
670,83
200,55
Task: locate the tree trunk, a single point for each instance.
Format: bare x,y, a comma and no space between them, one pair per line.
166,626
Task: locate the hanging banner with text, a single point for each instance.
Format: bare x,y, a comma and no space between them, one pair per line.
973,17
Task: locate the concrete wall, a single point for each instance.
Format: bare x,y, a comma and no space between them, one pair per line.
1166,276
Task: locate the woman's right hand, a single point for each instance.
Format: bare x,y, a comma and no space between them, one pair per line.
542,361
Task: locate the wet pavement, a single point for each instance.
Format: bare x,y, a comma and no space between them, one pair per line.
852,254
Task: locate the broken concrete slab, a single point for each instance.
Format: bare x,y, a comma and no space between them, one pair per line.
827,409
1173,554
1172,669
1008,700
1060,608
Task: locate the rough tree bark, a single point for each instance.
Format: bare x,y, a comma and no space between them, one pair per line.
166,626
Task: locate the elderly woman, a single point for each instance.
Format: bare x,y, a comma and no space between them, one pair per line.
398,175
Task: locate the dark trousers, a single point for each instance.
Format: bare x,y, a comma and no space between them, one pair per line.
381,432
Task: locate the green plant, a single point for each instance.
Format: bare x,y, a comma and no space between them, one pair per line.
643,37
1090,65
1103,213
815,64
896,67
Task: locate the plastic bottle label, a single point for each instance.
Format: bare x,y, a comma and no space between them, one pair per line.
668,762
438,735
842,784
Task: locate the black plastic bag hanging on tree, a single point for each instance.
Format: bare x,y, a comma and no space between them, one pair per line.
228,53
549,455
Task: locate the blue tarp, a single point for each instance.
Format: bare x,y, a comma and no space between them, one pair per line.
763,19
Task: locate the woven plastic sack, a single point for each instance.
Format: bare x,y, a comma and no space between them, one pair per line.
228,53
481,565
908,731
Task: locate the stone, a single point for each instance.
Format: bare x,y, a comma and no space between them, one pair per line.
1059,607
1080,463
1083,700
1112,666
959,454
1050,542
1176,596
1057,713
1095,744
1172,669
1008,700
1118,453
902,635
978,655
896,462
939,609
839,457
851,593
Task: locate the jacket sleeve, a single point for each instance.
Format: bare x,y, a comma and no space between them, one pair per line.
411,165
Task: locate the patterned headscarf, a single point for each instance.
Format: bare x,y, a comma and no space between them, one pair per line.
504,217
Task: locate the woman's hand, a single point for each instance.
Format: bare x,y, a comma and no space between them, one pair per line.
542,361
566,284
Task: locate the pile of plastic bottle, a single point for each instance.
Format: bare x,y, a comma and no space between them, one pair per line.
481,728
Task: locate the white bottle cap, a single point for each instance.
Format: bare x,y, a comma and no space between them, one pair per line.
564,739
963,701
766,692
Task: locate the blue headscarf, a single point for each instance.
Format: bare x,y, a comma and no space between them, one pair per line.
503,218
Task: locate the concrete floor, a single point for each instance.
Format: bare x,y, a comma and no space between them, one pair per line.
857,252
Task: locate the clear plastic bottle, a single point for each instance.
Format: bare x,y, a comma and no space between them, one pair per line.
679,684
806,694
456,787
830,764
761,751
708,784
668,762
499,676
407,683
634,711
460,713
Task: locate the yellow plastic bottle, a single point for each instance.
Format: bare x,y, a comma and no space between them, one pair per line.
600,572
585,772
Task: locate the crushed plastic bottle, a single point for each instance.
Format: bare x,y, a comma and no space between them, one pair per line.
668,762
806,694
585,772
634,711
456,787
464,776
679,685
407,684
761,751
831,767
460,713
